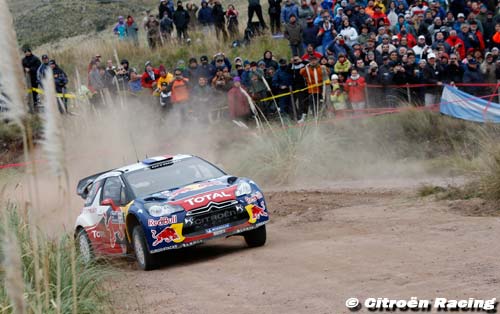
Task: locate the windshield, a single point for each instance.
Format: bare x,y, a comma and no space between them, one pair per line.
182,172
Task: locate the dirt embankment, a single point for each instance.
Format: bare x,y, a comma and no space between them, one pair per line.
324,247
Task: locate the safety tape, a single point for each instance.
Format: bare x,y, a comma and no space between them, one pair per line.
59,95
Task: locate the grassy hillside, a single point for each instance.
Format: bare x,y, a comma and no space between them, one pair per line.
41,21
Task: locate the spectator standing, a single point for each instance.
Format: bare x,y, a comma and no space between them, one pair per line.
239,108
293,32
254,7
338,96
304,12
205,17
314,75
289,9
132,29
165,9
232,22
488,70
150,76
181,21
355,88
31,63
179,88
219,18
275,16
310,33
299,98
40,73
166,28
192,9
120,28
152,27
434,77
472,75
60,81
282,80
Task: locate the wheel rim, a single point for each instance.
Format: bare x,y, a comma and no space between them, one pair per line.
139,251
84,248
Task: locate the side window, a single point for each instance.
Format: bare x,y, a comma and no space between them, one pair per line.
113,189
92,193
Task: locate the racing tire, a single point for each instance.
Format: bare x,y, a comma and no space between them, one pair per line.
85,247
145,260
256,237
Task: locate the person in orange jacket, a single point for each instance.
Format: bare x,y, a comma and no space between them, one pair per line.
314,74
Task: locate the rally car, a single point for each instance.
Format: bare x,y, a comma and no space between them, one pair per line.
164,203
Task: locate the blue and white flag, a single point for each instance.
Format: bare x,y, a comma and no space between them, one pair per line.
461,105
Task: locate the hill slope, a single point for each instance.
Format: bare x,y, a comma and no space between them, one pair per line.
41,21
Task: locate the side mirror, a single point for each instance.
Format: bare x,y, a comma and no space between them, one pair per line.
110,202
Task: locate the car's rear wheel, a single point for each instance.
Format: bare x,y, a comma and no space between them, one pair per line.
85,247
256,237
145,259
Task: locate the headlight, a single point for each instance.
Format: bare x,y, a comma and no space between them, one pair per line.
158,210
243,189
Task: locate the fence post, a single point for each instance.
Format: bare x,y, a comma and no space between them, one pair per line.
408,91
366,97
497,89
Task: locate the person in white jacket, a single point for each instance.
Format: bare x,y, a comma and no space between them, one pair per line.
350,34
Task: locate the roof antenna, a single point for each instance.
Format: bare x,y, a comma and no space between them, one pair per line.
133,145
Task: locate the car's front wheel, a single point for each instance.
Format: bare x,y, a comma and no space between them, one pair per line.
85,247
145,259
256,237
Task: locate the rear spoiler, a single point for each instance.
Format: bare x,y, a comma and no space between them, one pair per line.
84,184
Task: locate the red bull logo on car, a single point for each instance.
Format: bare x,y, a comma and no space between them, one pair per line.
163,221
167,235
255,212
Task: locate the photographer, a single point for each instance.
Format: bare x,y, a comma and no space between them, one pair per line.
355,88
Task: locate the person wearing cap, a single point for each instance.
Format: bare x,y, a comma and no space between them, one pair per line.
60,82
338,97
421,48
294,33
40,72
239,107
205,69
474,29
310,33
433,76
120,28
314,75
150,76
488,69
472,75
287,10
457,25
31,63
152,27
181,21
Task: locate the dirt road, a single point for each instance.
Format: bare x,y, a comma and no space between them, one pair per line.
324,247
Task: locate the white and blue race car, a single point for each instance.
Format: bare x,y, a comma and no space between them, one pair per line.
164,203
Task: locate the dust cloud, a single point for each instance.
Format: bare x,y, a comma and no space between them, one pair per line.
107,137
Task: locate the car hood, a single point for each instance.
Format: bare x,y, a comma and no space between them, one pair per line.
196,195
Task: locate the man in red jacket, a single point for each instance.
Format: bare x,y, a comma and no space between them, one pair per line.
355,88
150,76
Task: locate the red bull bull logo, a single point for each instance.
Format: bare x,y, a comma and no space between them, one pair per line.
255,212
168,234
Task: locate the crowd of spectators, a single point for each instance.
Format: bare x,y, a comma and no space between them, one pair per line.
343,53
